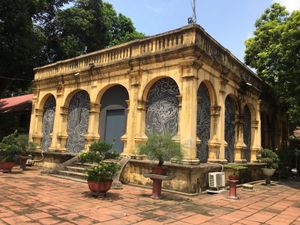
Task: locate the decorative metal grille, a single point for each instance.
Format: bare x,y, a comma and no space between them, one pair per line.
78,118
162,107
229,129
203,122
48,121
247,132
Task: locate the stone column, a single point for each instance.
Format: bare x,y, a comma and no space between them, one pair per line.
221,122
188,114
140,117
92,134
124,138
37,129
62,135
239,149
214,144
256,133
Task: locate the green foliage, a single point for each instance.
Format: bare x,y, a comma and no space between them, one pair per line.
98,151
235,167
161,147
269,157
274,53
14,145
22,41
37,32
103,171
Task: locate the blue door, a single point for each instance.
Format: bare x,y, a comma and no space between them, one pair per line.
115,128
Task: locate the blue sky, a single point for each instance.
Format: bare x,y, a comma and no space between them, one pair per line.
230,22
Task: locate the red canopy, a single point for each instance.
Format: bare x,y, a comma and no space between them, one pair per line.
16,104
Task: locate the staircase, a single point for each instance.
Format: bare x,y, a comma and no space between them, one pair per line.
75,171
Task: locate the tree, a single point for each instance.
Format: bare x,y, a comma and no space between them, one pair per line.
37,32
274,52
87,26
22,41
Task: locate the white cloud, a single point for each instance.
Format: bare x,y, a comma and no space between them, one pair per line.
290,5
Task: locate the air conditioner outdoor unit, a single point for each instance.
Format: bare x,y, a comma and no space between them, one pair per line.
216,180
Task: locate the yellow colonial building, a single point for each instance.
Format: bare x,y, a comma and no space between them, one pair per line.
182,82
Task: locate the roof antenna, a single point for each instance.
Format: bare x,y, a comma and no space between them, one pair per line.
193,19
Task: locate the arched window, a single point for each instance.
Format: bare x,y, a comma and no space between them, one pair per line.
48,122
203,122
162,107
229,129
78,118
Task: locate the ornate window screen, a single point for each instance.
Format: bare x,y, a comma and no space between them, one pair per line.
78,118
229,129
247,132
162,107
203,122
48,121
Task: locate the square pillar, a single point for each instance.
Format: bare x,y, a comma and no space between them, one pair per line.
188,115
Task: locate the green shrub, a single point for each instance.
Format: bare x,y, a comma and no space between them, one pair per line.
98,151
269,157
235,167
14,145
103,171
161,147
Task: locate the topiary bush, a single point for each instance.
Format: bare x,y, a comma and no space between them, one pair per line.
98,151
161,147
103,171
269,157
14,145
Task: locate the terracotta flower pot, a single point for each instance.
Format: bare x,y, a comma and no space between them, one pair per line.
233,177
159,170
99,187
6,167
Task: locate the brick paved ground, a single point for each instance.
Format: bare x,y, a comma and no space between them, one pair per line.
30,198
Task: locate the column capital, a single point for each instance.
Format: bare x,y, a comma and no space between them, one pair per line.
64,110
141,104
39,112
215,110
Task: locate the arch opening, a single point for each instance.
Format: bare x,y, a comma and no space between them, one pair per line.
48,122
229,128
113,116
162,107
203,122
78,119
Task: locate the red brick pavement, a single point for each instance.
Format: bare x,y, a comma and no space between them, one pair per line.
31,198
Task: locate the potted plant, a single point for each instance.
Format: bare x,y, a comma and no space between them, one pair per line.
271,160
14,147
161,147
235,168
100,176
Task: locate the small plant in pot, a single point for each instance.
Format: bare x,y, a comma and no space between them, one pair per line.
161,147
100,176
271,159
236,168
14,147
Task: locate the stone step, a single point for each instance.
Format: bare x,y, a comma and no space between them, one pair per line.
68,178
72,174
83,165
76,169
